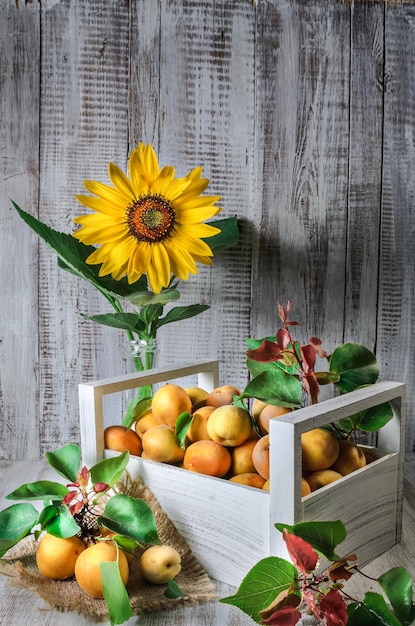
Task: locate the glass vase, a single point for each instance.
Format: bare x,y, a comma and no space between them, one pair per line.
143,353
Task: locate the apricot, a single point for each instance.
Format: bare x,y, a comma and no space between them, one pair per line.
250,479
197,395
207,457
350,458
305,487
159,564
160,444
266,485
87,569
242,457
222,395
56,556
144,423
321,478
269,412
229,425
320,449
260,456
121,438
170,401
257,406
198,428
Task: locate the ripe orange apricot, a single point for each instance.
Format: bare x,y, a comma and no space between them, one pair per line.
250,479
305,487
160,444
169,402
260,456
198,427
87,569
257,406
321,478
229,425
320,449
207,457
56,556
222,395
242,457
120,438
266,485
350,458
144,423
197,395
269,412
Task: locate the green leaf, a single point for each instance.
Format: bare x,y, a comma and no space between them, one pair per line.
47,514
115,593
125,321
63,524
66,461
126,543
376,605
375,418
39,490
179,313
360,615
275,387
356,365
327,378
144,298
173,590
109,470
16,522
323,536
263,583
131,517
72,255
397,585
181,427
136,409
227,237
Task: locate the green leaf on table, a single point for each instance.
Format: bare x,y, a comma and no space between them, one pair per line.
181,427
275,387
110,470
178,313
131,517
263,583
62,524
323,536
66,461
16,522
173,590
356,365
397,585
39,490
228,236
115,593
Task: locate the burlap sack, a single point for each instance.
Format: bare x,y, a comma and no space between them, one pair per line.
20,564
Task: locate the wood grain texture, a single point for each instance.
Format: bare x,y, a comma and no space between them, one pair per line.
301,114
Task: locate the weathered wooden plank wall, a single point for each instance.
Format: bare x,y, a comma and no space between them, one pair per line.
302,115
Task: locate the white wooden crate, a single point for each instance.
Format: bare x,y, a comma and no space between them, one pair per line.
230,526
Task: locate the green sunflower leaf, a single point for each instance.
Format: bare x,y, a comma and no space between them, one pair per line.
143,298
125,321
16,522
179,313
66,461
228,236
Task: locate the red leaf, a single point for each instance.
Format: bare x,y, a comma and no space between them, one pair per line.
317,343
288,616
309,356
312,386
69,497
334,609
83,477
100,487
339,570
302,553
267,352
283,338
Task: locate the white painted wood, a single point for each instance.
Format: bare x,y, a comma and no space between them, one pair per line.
230,527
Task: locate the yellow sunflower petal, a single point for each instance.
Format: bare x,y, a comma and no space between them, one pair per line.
194,216
102,206
121,181
113,196
192,245
200,231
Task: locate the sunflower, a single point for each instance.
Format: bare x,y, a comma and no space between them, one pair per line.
148,222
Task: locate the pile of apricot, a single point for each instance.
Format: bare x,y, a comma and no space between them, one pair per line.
226,440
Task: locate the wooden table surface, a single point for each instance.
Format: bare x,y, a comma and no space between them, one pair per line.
19,607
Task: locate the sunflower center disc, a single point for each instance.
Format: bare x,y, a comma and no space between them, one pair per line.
151,219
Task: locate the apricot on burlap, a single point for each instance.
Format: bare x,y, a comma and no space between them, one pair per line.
65,595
